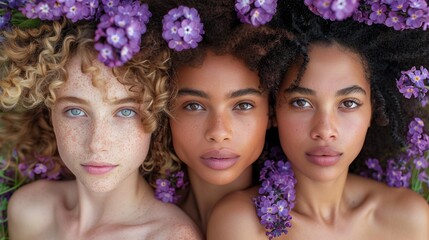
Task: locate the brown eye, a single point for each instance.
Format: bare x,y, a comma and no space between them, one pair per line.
243,106
350,104
194,107
300,103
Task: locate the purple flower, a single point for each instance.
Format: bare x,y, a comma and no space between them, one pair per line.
421,163
39,168
343,8
182,28
166,188
378,14
395,20
255,12
415,18
4,20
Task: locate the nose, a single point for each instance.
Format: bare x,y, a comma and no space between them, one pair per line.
219,128
99,137
324,127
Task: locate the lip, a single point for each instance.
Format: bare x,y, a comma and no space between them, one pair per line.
98,168
219,159
323,156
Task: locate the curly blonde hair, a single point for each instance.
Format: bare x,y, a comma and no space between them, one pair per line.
33,65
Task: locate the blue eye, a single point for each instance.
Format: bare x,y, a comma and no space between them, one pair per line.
75,112
127,113
194,107
243,106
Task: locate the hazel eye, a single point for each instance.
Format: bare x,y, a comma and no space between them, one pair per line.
75,112
350,104
126,113
300,103
243,106
194,107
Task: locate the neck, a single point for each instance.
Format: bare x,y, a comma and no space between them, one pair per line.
93,209
204,196
322,201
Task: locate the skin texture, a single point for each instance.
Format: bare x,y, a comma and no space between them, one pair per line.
220,116
321,117
97,126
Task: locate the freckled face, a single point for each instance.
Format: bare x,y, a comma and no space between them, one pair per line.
220,119
99,132
323,122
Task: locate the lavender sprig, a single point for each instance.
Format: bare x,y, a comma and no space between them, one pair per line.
255,12
182,28
166,188
409,169
277,197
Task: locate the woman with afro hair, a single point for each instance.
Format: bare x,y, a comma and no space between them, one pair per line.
219,105
336,102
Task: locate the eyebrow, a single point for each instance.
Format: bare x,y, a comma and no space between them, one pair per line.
341,92
350,90
84,102
246,91
234,94
192,92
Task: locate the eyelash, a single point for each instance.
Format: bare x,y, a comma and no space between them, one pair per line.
294,103
132,113
353,101
69,113
190,106
238,106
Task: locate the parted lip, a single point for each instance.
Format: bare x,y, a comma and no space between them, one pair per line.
324,151
219,154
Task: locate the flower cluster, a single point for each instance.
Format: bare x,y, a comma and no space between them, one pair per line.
277,197
255,12
410,169
74,10
121,23
14,174
43,168
412,84
399,14
118,35
6,8
182,28
166,189
333,9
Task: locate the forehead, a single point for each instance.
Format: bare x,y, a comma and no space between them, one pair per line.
99,82
330,66
217,69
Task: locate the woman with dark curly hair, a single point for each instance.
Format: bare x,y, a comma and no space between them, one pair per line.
97,122
332,85
219,109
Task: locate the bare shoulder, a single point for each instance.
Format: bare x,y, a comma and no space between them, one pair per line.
401,211
234,217
31,207
404,209
172,223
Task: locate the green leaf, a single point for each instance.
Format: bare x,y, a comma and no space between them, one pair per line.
18,19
